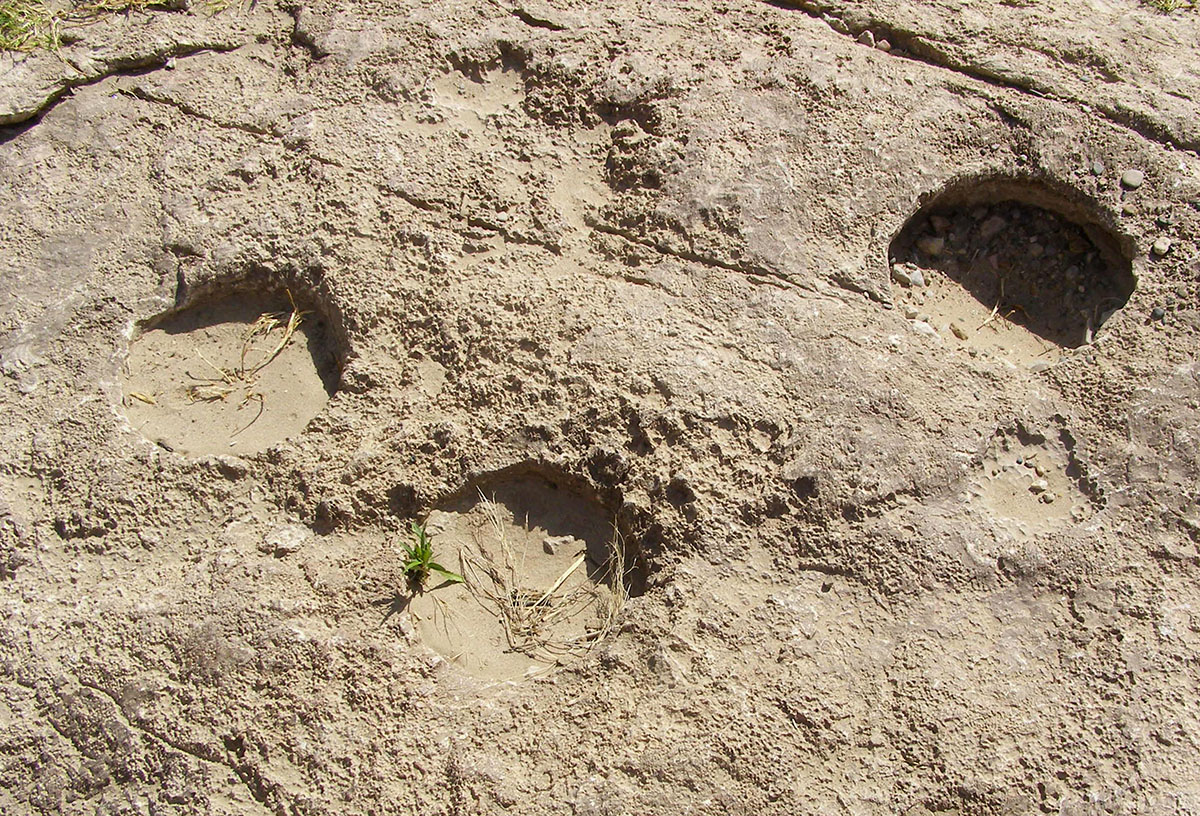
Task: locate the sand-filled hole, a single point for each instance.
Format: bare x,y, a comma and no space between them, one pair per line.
545,571
230,375
1009,269
1029,484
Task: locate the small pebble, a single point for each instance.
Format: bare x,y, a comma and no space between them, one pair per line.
910,312
1039,486
286,540
1097,168
1162,246
908,275
921,327
958,331
835,23
883,45
932,245
1132,179
1048,498
1128,208
552,545
1158,313
1164,219
867,38
992,227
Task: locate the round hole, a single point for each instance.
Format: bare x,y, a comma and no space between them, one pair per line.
545,574
1010,267
234,374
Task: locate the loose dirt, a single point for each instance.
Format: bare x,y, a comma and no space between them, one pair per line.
1009,279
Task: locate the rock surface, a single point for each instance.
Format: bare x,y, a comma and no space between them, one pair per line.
641,251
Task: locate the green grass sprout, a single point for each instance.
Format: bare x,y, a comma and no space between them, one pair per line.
27,25
1168,6
419,563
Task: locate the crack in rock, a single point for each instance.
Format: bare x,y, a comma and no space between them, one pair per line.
259,788
188,110
32,86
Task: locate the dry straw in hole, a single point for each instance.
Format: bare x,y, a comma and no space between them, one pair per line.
530,615
244,377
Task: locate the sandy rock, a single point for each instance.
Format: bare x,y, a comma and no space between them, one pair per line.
908,275
287,539
932,245
614,278
992,227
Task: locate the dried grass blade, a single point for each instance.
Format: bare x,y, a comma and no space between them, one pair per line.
562,578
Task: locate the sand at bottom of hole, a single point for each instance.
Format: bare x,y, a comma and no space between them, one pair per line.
188,349
469,629
947,305
1024,503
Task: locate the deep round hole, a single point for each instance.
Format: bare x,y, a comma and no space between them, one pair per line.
1010,266
234,373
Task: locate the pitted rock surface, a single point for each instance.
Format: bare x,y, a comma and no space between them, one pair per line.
639,250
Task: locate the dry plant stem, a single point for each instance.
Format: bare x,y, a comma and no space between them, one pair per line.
262,405
245,377
528,617
26,25
561,579
264,325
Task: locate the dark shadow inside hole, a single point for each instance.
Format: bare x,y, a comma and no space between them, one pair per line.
1028,254
246,308
535,502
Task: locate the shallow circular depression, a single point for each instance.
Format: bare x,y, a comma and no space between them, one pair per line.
231,374
1011,269
546,575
